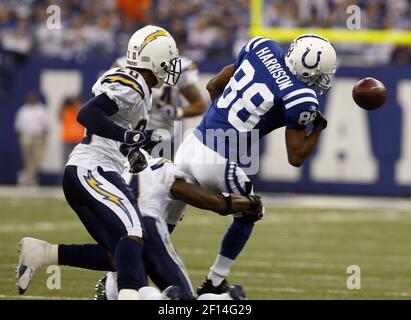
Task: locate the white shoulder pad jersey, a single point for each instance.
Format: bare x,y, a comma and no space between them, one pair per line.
172,95
154,184
130,93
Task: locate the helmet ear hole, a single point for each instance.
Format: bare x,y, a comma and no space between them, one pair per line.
305,74
163,64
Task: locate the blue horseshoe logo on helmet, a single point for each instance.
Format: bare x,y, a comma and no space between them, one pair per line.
315,64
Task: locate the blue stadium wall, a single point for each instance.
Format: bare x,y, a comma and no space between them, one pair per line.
361,152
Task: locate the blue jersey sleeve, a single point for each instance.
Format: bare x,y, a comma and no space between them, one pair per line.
300,108
251,45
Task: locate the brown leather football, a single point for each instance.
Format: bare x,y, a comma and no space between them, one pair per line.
369,93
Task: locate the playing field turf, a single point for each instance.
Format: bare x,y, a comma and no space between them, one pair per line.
295,253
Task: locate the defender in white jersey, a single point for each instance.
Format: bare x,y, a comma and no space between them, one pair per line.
163,191
92,181
173,103
129,91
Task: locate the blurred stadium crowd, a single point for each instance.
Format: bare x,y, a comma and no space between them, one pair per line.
213,29
376,14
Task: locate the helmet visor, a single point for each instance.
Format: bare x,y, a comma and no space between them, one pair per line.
173,72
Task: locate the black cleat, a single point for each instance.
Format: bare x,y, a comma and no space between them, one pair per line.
207,287
101,289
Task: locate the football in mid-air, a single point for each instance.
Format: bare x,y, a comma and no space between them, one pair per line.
369,93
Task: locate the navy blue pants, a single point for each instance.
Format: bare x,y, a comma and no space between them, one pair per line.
104,203
107,208
161,260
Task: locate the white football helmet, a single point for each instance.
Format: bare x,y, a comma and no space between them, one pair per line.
153,48
312,59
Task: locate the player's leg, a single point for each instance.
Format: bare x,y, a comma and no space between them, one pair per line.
236,236
90,256
213,172
38,253
163,265
86,256
107,195
106,228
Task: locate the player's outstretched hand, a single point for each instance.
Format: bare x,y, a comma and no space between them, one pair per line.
137,160
320,120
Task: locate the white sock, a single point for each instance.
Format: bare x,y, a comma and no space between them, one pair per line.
111,286
128,294
220,270
215,278
150,293
212,296
51,256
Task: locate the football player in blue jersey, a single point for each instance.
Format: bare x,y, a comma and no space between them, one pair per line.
265,89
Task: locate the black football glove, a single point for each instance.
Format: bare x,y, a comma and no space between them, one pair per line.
320,120
254,213
135,157
135,137
256,210
255,203
137,160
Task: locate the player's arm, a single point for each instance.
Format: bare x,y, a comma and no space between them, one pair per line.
95,117
196,102
203,199
300,144
217,84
